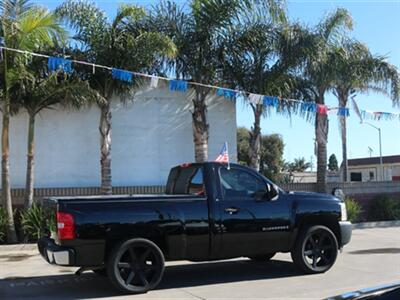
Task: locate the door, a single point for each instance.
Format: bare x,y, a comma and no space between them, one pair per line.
250,225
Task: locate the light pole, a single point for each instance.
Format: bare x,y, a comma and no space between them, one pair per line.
380,146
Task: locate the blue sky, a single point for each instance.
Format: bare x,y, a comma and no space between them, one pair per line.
376,23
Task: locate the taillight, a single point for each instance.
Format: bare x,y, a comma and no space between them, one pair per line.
65,226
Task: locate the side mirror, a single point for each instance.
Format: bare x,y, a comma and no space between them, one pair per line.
260,195
338,192
273,192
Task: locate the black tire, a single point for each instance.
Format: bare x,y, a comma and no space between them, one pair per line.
135,266
100,272
262,258
315,250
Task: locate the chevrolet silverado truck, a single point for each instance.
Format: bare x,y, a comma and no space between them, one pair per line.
209,211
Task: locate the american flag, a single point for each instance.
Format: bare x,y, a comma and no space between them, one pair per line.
223,155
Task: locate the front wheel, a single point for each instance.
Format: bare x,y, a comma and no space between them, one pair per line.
136,266
262,258
316,250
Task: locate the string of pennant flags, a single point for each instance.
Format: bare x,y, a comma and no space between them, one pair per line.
176,85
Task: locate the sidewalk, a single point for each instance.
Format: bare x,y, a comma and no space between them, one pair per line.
18,247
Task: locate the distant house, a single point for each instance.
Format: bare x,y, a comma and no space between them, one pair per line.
368,169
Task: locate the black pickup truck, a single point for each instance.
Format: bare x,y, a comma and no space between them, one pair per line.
209,211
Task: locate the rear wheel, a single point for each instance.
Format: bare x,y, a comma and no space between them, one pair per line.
136,266
316,250
261,258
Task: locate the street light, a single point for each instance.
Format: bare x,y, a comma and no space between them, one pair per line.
380,146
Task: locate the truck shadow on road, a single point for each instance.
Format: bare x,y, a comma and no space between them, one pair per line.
89,285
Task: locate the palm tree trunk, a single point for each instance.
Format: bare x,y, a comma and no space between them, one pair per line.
200,125
321,133
255,139
5,161
105,148
30,162
343,131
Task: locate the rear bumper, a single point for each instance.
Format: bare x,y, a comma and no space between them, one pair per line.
55,254
345,232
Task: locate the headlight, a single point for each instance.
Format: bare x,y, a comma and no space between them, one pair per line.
343,211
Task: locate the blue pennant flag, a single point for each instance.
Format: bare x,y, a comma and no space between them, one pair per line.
343,111
271,101
59,63
178,85
228,94
122,75
308,107
387,116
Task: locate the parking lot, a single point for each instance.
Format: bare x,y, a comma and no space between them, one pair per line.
372,258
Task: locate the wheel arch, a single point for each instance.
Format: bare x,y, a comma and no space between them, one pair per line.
160,241
330,221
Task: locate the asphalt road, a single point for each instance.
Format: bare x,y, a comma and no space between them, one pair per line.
372,258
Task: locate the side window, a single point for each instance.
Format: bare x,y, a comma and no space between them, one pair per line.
189,180
238,184
196,184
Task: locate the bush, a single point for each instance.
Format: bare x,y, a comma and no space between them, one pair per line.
3,224
353,210
384,208
33,222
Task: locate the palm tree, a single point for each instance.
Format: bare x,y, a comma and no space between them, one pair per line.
298,165
122,43
318,78
262,57
200,35
36,90
357,70
27,27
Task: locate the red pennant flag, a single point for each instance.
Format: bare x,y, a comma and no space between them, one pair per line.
322,109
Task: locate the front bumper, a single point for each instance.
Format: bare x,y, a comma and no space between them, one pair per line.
55,254
345,232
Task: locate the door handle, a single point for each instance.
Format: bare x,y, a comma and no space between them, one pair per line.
231,210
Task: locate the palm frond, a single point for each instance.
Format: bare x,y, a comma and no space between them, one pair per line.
332,27
39,28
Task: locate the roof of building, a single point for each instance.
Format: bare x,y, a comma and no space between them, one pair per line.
373,160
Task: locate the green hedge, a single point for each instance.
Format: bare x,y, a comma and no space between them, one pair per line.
3,225
33,222
384,208
30,224
354,210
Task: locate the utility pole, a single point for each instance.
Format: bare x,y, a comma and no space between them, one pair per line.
380,148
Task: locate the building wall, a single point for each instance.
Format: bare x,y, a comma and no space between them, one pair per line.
149,135
311,177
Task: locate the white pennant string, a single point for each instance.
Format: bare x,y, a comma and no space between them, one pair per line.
255,98
154,82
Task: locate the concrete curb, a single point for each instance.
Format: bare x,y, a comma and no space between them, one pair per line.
18,247
379,224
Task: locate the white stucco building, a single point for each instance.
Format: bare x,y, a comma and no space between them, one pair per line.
149,135
369,169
